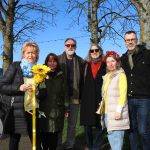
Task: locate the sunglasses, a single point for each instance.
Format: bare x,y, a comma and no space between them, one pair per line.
70,45
94,50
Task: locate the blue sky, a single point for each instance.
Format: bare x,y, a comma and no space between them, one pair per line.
52,38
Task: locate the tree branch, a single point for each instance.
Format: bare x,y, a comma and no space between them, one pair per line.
2,9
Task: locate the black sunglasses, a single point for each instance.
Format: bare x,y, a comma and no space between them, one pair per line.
94,50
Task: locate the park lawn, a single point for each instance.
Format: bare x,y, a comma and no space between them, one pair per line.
80,137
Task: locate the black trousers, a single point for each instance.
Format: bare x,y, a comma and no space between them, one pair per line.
14,141
15,138
49,140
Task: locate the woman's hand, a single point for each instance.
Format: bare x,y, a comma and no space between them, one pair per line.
117,115
26,87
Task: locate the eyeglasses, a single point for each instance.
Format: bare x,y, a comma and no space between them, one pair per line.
130,40
70,45
94,50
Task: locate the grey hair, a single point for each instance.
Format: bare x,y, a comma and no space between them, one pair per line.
72,40
89,59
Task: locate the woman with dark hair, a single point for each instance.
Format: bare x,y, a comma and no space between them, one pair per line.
95,68
52,104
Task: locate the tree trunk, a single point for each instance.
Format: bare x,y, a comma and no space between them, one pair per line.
93,21
143,8
7,33
95,38
7,52
8,44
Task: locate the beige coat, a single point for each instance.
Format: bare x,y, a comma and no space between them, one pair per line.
113,96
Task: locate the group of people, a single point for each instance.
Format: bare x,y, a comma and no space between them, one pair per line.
74,84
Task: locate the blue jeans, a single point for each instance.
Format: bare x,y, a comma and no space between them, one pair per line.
96,143
72,121
115,137
139,110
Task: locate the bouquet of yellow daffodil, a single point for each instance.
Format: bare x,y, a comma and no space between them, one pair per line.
40,74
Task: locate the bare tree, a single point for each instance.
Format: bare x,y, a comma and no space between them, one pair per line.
105,18
143,8
19,20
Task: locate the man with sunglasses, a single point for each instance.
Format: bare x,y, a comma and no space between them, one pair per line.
136,64
71,65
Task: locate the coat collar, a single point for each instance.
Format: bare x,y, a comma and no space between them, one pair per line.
136,57
113,74
140,47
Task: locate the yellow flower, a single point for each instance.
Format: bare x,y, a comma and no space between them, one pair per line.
40,69
40,73
39,78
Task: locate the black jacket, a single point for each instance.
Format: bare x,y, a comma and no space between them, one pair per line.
9,85
52,102
78,64
139,77
91,96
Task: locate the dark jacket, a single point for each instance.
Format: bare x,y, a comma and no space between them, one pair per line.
78,64
139,77
91,96
52,102
9,85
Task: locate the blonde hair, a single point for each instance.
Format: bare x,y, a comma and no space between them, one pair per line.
32,45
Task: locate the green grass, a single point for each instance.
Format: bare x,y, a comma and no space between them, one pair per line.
80,137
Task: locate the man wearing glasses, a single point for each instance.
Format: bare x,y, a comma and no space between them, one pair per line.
71,65
136,64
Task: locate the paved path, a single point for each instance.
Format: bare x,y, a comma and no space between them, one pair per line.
24,144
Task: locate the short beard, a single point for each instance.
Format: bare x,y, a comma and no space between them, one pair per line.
70,53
